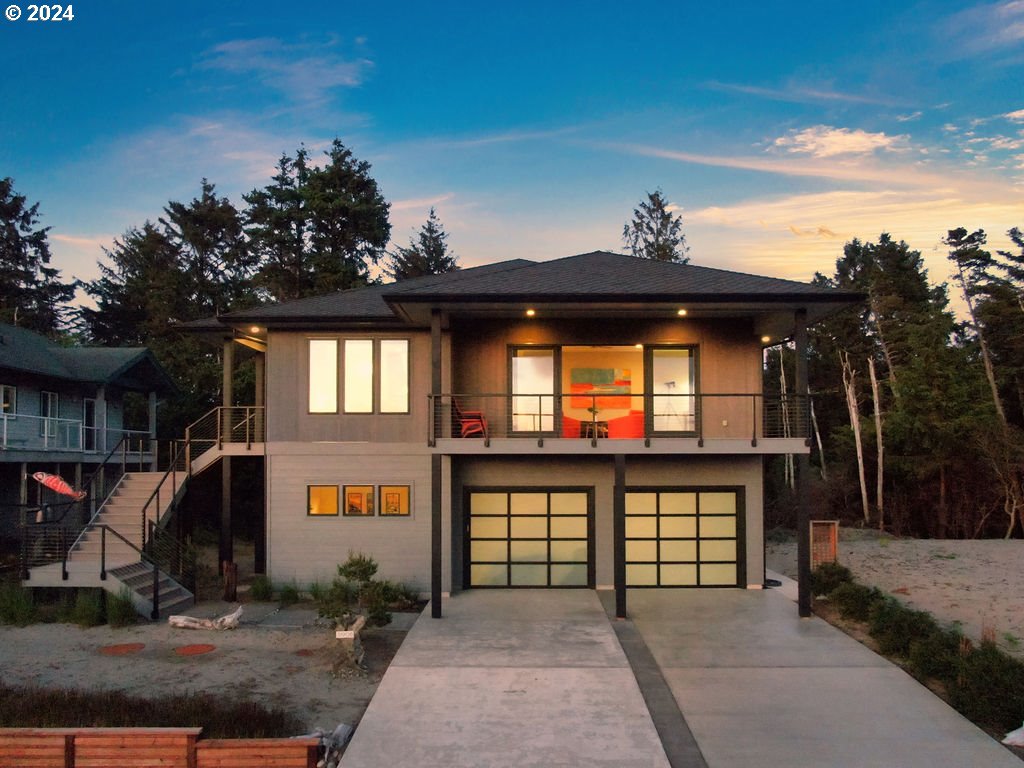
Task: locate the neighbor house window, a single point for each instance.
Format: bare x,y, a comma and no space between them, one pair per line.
394,376
394,500
49,409
359,500
323,375
8,400
358,376
322,500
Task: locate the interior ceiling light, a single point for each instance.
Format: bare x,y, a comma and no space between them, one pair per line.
639,346
531,312
254,329
681,313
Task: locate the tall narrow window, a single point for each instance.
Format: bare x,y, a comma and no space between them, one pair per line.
673,389
323,375
49,409
533,390
8,400
358,376
394,376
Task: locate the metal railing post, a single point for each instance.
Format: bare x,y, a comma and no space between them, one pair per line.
62,543
700,421
220,429
155,613
103,553
753,437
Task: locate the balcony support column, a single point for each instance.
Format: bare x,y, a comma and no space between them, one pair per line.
436,477
152,431
619,535
101,420
803,472
225,543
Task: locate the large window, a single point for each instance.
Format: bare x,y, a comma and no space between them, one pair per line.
375,376
533,389
8,400
323,375
673,388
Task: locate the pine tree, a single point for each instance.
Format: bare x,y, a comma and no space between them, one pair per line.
427,254
31,293
655,232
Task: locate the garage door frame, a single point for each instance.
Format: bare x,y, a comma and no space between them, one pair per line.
467,563
741,534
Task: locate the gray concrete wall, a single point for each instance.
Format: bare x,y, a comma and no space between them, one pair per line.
303,548
599,472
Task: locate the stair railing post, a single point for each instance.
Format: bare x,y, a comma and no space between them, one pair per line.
62,543
155,613
220,429
24,541
103,553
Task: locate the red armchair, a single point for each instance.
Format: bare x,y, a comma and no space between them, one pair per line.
570,426
629,426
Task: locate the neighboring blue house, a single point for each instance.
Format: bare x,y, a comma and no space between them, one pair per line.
63,410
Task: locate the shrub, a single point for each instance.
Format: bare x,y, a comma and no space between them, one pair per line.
827,576
854,601
895,626
989,688
261,589
120,609
288,595
16,605
88,610
937,655
359,568
316,591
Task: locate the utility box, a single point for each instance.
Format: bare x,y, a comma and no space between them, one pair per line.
824,542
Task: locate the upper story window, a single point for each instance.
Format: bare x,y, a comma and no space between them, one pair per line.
673,388
323,375
374,375
8,400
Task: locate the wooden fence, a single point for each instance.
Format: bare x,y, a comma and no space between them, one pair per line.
137,747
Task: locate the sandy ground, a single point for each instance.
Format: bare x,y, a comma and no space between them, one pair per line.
280,657
979,584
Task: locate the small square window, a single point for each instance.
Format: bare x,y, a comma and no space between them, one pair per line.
394,500
8,400
322,500
359,501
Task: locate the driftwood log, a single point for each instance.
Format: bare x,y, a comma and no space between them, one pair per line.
228,621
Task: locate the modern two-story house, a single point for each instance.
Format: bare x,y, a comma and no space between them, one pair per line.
595,421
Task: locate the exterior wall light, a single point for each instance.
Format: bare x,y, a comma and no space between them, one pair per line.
531,312
681,313
766,339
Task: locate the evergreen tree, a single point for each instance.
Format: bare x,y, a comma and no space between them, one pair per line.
213,256
316,229
31,293
427,254
655,232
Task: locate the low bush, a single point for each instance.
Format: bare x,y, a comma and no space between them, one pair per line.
288,595
120,610
827,576
261,590
16,605
854,601
88,610
937,655
989,688
895,626
359,568
220,717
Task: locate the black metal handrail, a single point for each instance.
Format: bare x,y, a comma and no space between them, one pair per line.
172,473
751,416
154,613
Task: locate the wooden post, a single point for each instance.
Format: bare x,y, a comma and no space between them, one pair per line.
226,544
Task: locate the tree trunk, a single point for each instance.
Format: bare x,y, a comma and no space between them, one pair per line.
873,300
851,404
880,443
943,510
784,402
817,438
986,358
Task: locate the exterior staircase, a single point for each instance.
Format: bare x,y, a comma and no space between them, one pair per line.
108,552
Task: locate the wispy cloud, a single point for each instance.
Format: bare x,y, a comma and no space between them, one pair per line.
908,118
985,28
802,94
856,169
420,202
506,137
1017,116
303,72
827,141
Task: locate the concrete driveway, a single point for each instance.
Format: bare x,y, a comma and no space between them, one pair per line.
760,687
509,678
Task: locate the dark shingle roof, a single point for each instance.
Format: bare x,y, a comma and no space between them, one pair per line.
596,277
28,352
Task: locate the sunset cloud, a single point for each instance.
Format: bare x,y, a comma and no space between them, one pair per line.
827,141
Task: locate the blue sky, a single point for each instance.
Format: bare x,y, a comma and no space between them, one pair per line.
778,130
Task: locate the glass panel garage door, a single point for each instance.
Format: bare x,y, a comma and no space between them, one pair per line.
529,538
683,538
